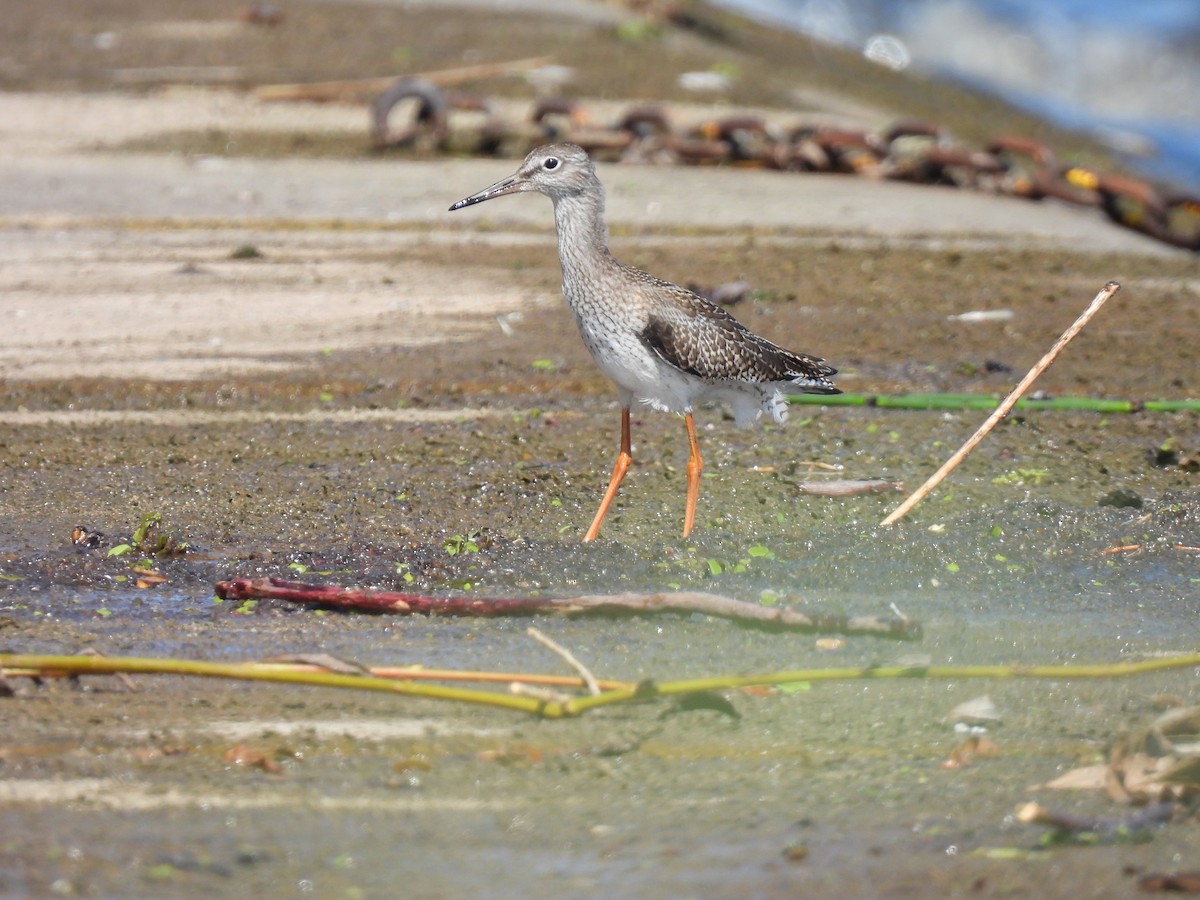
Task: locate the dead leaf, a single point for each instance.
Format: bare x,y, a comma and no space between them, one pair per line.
1135,778
244,755
973,748
1085,778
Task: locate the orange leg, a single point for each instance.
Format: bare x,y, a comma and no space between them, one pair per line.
694,467
624,458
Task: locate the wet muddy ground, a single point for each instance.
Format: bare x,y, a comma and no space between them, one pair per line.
405,404
369,464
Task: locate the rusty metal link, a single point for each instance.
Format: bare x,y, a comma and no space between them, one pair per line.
843,150
1183,221
912,151
921,152
649,134
1173,219
430,119
645,122
746,139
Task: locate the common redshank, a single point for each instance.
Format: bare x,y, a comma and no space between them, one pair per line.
661,344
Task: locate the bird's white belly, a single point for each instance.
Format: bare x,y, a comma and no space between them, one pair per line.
639,373
643,376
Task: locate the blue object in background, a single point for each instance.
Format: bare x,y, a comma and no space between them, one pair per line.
1126,72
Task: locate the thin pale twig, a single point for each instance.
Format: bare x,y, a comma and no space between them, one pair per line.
1005,406
588,678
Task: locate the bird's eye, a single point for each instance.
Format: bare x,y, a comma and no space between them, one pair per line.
551,163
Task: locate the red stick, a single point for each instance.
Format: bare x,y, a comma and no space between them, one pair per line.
376,601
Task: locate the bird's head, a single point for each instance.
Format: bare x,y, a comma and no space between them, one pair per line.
556,170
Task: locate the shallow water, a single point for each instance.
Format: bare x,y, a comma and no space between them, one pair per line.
121,792
821,789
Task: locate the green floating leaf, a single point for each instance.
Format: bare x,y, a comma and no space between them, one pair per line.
1023,477
461,543
146,540
120,550
145,526
794,687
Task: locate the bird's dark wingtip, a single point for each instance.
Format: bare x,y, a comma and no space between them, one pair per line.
814,386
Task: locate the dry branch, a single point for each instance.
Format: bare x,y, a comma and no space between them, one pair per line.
42,666
1005,406
369,600
585,673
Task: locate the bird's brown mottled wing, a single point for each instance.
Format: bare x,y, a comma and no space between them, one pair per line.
699,337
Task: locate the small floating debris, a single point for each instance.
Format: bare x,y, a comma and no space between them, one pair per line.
83,536
983,315
973,748
848,487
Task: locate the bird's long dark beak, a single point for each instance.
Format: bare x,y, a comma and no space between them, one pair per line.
510,185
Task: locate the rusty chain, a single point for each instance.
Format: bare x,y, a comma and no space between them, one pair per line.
917,152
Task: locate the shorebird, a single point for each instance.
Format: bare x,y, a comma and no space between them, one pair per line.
661,344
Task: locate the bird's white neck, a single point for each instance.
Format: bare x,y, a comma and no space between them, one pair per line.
582,236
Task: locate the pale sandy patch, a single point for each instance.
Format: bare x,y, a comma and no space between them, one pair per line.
173,305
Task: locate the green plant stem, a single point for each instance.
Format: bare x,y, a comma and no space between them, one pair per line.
108,665
1066,673
989,401
132,665
397,673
